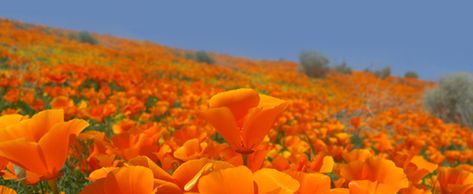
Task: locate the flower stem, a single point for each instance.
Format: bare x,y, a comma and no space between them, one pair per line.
53,185
245,159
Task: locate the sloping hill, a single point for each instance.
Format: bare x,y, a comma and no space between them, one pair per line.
143,99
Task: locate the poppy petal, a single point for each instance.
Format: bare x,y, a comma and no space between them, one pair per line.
132,179
269,180
158,172
235,180
55,143
97,187
258,122
224,122
366,186
41,122
239,101
6,190
25,154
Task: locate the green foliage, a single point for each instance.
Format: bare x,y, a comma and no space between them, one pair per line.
73,180
383,73
343,68
218,138
452,100
89,83
313,64
84,37
3,63
411,74
21,187
201,57
25,109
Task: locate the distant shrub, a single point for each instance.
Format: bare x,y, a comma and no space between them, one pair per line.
343,68
411,74
203,57
84,37
383,73
452,101
313,64
200,56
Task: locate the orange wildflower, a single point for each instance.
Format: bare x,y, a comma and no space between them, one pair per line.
125,180
6,190
191,149
455,179
375,169
40,144
235,180
241,180
369,187
243,117
273,181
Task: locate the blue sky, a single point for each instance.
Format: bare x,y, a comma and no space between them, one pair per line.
432,37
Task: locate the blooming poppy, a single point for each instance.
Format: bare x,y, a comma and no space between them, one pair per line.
243,117
273,181
191,149
125,180
451,179
235,180
375,169
369,187
40,144
6,190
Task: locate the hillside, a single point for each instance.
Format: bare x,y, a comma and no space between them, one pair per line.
142,101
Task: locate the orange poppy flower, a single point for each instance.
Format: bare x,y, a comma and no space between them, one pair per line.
274,181
375,169
163,182
40,144
369,187
418,167
188,174
311,182
242,180
6,121
243,117
6,190
451,179
63,102
191,149
125,180
235,180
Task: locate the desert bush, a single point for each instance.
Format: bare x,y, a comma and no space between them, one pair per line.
313,64
383,73
343,68
84,37
203,57
200,56
452,100
411,74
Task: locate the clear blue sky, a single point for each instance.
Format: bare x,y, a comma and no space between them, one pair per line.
427,36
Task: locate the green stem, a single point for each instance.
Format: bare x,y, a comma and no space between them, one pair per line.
53,185
245,159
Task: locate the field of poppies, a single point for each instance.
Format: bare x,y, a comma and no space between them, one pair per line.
99,114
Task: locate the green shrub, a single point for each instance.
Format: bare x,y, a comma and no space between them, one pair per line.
452,100
343,68
411,74
200,56
313,64
203,57
383,73
84,37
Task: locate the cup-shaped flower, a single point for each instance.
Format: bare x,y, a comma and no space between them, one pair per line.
243,117
40,145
